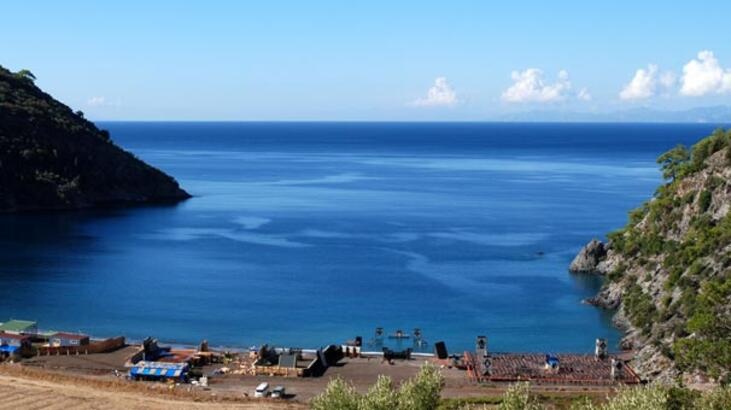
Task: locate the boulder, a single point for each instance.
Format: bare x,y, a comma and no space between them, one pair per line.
589,257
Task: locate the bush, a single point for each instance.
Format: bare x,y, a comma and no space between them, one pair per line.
717,399
639,307
338,395
518,397
681,398
656,397
639,398
704,201
381,396
422,392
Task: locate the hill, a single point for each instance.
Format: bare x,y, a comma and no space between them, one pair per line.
53,158
668,271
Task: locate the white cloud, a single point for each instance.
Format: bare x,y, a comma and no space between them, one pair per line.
642,85
584,95
648,82
704,75
439,95
96,101
529,86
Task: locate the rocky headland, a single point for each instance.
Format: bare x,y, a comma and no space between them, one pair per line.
668,271
52,158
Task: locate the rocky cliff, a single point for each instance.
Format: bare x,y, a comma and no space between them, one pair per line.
52,158
668,272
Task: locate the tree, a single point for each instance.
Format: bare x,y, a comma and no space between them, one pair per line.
26,74
673,161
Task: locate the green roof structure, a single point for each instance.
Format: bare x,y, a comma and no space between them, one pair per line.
18,326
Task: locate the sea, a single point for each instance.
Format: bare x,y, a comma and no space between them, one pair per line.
309,234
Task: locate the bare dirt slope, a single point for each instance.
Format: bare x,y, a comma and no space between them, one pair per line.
22,391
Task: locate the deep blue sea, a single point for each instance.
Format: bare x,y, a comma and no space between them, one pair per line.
305,234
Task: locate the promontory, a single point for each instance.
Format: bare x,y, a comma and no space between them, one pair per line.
53,158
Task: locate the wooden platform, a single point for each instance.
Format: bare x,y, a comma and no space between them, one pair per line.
573,369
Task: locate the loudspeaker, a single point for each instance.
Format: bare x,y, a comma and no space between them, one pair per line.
601,348
481,346
441,350
487,366
616,371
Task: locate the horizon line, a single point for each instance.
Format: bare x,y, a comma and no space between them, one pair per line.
294,121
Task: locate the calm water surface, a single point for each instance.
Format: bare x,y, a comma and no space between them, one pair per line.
308,234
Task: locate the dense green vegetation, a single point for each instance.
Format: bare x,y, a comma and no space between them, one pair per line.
51,157
694,306
423,393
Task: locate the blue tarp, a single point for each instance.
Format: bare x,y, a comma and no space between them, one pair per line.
156,369
8,349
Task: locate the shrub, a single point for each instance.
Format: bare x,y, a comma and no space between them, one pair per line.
422,392
704,200
518,397
338,395
638,398
639,307
381,396
716,399
681,398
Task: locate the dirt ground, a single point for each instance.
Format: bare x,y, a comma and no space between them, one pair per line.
99,363
89,382
363,372
33,389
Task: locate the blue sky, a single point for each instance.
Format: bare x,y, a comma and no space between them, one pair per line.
375,60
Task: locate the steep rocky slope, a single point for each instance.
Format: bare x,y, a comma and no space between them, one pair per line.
52,158
668,272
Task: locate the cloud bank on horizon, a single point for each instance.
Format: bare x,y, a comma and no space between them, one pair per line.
529,86
700,76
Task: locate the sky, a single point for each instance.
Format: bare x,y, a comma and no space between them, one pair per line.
369,60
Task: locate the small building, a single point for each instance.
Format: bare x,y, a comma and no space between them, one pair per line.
14,345
144,370
63,339
19,327
292,362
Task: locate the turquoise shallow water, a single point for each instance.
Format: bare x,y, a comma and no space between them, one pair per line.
305,234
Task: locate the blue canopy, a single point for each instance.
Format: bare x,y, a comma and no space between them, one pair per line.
8,349
157,369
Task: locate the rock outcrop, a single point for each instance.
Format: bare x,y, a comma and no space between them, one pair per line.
52,158
588,259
